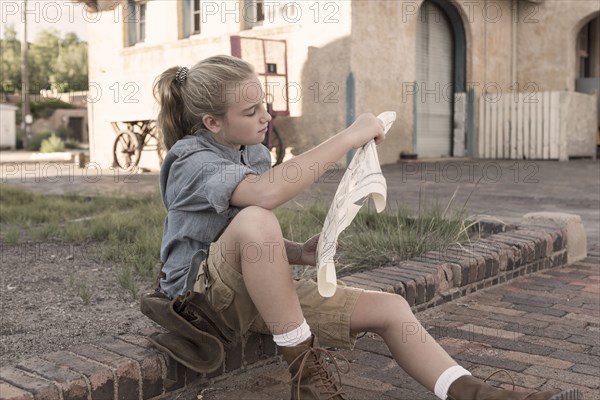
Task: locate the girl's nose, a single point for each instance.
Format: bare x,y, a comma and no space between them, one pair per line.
266,116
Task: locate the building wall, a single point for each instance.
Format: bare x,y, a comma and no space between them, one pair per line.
383,59
546,52
59,121
383,64
578,124
509,43
122,76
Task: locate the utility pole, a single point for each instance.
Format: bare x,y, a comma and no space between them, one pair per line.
25,108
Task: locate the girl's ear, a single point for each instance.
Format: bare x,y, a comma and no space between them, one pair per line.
211,123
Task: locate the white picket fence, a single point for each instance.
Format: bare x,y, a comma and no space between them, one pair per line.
520,126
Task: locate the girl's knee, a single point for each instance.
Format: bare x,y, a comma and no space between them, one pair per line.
397,311
256,222
393,301
254,215
403,310
401,302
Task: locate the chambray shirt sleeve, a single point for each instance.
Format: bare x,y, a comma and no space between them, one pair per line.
221,184
206,181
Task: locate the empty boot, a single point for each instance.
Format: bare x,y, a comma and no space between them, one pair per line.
312,378
471,388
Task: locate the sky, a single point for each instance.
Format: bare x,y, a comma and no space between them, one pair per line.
62,15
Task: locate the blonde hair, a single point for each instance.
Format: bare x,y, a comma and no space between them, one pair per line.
185,99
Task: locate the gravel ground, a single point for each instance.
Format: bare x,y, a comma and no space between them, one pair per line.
43,299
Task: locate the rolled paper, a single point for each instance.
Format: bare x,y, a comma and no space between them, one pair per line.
362,180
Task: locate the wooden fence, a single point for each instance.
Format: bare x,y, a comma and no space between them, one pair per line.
520,126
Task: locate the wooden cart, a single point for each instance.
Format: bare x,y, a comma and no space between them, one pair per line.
133,137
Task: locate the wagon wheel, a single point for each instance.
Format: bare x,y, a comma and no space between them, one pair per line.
162,152
156,135
127,150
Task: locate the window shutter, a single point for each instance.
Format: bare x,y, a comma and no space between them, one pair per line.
246,14
131,20
187,18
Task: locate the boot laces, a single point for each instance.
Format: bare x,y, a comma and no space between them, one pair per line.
319,368
528,396
512,382
507,373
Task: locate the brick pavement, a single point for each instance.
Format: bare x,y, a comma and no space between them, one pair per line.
542,328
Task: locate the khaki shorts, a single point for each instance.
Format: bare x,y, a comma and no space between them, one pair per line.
328,317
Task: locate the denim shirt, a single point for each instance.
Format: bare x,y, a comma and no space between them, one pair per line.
197,179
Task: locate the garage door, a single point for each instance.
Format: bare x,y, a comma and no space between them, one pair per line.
434,72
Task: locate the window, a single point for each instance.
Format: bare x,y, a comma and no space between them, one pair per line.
588,56
260,11
196,17
136,22
253,13
141,25
190,18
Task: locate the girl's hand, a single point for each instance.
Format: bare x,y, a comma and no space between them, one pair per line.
365,128
308,251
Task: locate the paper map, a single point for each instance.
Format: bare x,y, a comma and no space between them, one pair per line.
363,178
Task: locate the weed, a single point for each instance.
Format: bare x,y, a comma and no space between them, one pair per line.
44,232
300,224
52,144
71,274
12,236
374,240
85,293
127,282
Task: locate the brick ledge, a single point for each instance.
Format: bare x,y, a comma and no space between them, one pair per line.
130,368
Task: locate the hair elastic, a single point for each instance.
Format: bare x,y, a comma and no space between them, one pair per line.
181,74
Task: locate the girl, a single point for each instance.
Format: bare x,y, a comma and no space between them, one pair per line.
222,239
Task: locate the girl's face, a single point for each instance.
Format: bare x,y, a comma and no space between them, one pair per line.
246,120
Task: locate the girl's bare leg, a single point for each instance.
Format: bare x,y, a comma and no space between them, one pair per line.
253,244
415,351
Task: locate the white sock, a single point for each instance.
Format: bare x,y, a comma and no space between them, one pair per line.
447,378
293,337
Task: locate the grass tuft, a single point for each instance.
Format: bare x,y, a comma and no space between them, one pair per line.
85,293
127,281
11,237
376,239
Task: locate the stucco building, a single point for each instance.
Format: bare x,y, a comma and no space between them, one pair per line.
467,78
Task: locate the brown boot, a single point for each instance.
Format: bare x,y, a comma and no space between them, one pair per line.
312,378
471,388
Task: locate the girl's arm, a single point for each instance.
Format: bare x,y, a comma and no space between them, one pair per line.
274,187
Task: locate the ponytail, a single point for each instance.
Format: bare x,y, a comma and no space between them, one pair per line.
185,96
167,92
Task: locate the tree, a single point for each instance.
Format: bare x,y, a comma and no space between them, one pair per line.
54,63
10,65
71,68
42,59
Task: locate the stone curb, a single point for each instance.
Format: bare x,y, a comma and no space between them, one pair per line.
33,157
128,367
